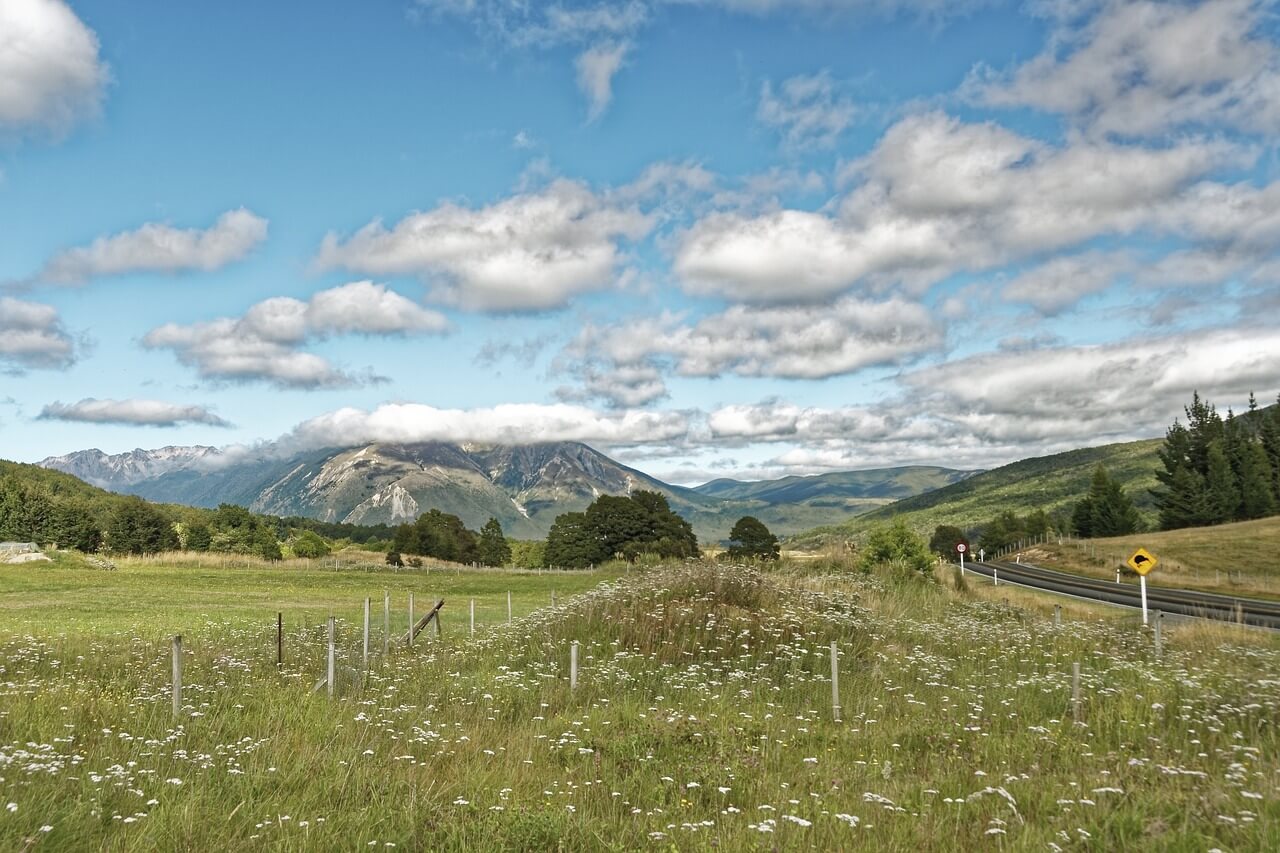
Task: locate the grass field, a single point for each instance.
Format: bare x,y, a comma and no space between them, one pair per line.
1232,559
702,720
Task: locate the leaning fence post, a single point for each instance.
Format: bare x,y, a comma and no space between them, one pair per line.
835,682
367,603
333,621
177,675
573,666
1075,691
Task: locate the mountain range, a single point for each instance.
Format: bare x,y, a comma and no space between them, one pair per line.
524,487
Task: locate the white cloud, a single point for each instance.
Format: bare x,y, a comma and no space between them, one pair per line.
938,196
50,73
1060,283
530,252
596,67
545,25
159,248
1093,394
806,110
1139,68
131,412
263,345
619,362
32,336
515,423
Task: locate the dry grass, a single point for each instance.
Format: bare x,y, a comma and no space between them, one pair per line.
1233,559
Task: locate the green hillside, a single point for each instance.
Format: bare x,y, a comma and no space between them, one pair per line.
835,488
1052,483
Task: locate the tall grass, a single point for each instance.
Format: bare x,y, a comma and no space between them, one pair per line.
702,720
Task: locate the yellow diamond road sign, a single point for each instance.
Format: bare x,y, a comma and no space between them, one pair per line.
1142,561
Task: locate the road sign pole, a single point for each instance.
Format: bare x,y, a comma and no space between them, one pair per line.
1142,582
962,563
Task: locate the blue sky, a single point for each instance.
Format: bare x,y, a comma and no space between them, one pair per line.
712,237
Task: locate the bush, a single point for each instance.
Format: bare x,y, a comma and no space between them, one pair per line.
394,559
898,548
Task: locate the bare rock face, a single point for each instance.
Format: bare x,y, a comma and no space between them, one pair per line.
125,469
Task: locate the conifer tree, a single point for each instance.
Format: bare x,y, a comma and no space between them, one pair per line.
1222,492
1256,497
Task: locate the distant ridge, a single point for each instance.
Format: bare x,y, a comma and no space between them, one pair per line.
525,487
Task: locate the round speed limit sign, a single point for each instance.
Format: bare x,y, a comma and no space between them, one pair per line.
962,548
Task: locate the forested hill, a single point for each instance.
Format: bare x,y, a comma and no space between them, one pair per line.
1052,483
49,507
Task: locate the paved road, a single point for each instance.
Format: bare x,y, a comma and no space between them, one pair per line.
1251,611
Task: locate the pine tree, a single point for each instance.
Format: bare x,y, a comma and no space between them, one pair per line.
1181,500
1221,489
1111,513
1256,497
493,547
1270,434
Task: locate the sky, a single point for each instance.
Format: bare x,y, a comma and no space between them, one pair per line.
713,238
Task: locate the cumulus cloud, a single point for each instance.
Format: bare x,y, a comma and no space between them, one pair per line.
32,336
1093,394
1060,283
619,362
157,247
515,423
806,110
533,251
131,413
51,75
264,344
596,67
938,196
1140,68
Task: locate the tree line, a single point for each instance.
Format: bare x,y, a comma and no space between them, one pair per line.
1216,470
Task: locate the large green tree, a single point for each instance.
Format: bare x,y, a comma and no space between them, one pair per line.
616,526
137,527
751,539
945,539
493,548
1110,512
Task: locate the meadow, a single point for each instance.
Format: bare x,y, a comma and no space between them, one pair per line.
702,718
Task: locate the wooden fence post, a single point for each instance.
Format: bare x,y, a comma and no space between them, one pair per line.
386,622
333,624
368,602
411,619
508,607
1075,691
279,639
1159,638
573,666
473,618
1057,615
835,682
177,676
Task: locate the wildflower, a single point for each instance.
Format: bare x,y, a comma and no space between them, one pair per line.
852,819
799,821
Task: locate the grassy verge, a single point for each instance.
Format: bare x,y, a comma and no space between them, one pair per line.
1232,559
703,720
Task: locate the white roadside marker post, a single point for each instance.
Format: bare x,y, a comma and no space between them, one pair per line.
1142,583
411,619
